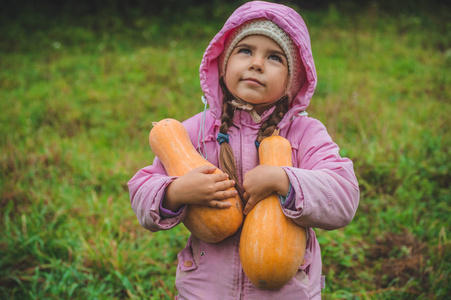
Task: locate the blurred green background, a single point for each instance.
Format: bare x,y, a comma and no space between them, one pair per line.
82,81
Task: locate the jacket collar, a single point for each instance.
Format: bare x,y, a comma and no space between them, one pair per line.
242,118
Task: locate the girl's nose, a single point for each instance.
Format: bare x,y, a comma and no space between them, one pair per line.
256,65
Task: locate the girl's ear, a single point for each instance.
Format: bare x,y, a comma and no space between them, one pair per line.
288,83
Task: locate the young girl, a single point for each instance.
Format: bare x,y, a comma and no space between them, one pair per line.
258,75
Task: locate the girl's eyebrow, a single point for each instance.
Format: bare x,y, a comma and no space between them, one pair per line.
244,45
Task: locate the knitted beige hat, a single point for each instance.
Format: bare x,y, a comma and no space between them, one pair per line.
273,31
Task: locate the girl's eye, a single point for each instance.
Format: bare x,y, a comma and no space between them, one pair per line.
244,51
276,57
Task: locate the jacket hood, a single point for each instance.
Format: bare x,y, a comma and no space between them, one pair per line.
291,22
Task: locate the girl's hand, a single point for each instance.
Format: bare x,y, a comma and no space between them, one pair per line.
200,187
261,182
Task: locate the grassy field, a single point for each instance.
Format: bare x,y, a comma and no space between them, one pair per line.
77,98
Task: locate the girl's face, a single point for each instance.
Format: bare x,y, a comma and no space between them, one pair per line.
257,70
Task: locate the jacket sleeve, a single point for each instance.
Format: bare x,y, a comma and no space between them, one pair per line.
148,186
147,190
326,189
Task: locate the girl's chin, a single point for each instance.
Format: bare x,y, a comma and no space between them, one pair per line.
256,97
258,101
253,99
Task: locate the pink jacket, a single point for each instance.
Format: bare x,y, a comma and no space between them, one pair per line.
325,187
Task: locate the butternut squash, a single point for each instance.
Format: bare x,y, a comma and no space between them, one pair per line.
272,246
170,142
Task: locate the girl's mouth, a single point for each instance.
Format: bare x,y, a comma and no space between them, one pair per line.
252,81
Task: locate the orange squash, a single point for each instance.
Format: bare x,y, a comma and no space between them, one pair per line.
272,246
170,142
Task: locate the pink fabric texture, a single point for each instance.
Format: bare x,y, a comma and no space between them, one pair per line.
325,187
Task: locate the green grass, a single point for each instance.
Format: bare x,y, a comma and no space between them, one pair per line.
77,98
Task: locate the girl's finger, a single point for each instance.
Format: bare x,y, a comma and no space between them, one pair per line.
246,209
225,194
224,185
206,169
220,177
246,196
249,205
219,204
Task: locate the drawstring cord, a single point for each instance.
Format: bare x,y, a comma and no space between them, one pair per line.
225,138
238,103
202,129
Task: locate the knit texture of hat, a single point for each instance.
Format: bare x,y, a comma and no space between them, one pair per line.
273,31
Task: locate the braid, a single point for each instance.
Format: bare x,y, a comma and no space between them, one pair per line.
226,157
271,123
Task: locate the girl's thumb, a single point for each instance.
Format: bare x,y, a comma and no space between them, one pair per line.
207,169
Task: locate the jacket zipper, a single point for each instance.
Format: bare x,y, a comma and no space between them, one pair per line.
238,271
240,160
